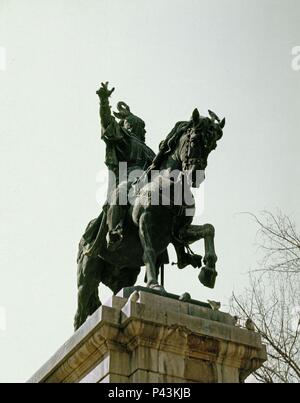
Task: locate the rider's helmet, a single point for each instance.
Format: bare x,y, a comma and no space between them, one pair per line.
130,122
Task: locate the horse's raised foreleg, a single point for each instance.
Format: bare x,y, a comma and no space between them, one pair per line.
147,236
193,233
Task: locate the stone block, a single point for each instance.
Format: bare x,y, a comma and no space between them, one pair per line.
155,338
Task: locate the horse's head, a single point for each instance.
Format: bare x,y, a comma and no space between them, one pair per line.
200,139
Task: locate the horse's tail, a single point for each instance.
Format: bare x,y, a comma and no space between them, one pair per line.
162,275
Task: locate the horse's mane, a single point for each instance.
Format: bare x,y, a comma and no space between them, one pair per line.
168,145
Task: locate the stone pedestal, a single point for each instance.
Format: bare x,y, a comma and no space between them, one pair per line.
141,337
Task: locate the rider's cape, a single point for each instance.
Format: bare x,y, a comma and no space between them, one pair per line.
94,236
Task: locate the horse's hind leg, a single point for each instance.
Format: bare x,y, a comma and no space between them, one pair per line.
147,236
193,233
88,279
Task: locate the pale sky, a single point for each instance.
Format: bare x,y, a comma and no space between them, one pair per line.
165,57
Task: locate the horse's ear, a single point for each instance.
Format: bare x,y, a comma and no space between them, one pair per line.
213,116
196,117
222,123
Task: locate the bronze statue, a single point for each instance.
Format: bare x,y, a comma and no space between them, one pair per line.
126,237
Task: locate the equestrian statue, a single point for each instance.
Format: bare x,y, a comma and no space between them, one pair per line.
149,205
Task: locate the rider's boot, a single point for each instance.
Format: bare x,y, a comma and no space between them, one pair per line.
116,217
185,259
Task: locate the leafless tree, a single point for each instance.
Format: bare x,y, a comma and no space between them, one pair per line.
272,299
280,243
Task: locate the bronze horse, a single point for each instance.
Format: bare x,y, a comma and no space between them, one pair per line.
151,227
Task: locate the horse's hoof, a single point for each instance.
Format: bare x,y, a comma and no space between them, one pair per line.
157,287
208,276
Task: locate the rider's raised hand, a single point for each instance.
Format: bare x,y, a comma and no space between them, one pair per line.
104,92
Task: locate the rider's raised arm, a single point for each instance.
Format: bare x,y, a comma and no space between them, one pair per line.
110,129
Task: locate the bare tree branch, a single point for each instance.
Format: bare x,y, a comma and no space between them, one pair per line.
272,299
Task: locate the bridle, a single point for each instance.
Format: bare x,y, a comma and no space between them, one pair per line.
188,159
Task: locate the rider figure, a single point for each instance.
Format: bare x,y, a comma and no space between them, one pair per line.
125,142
